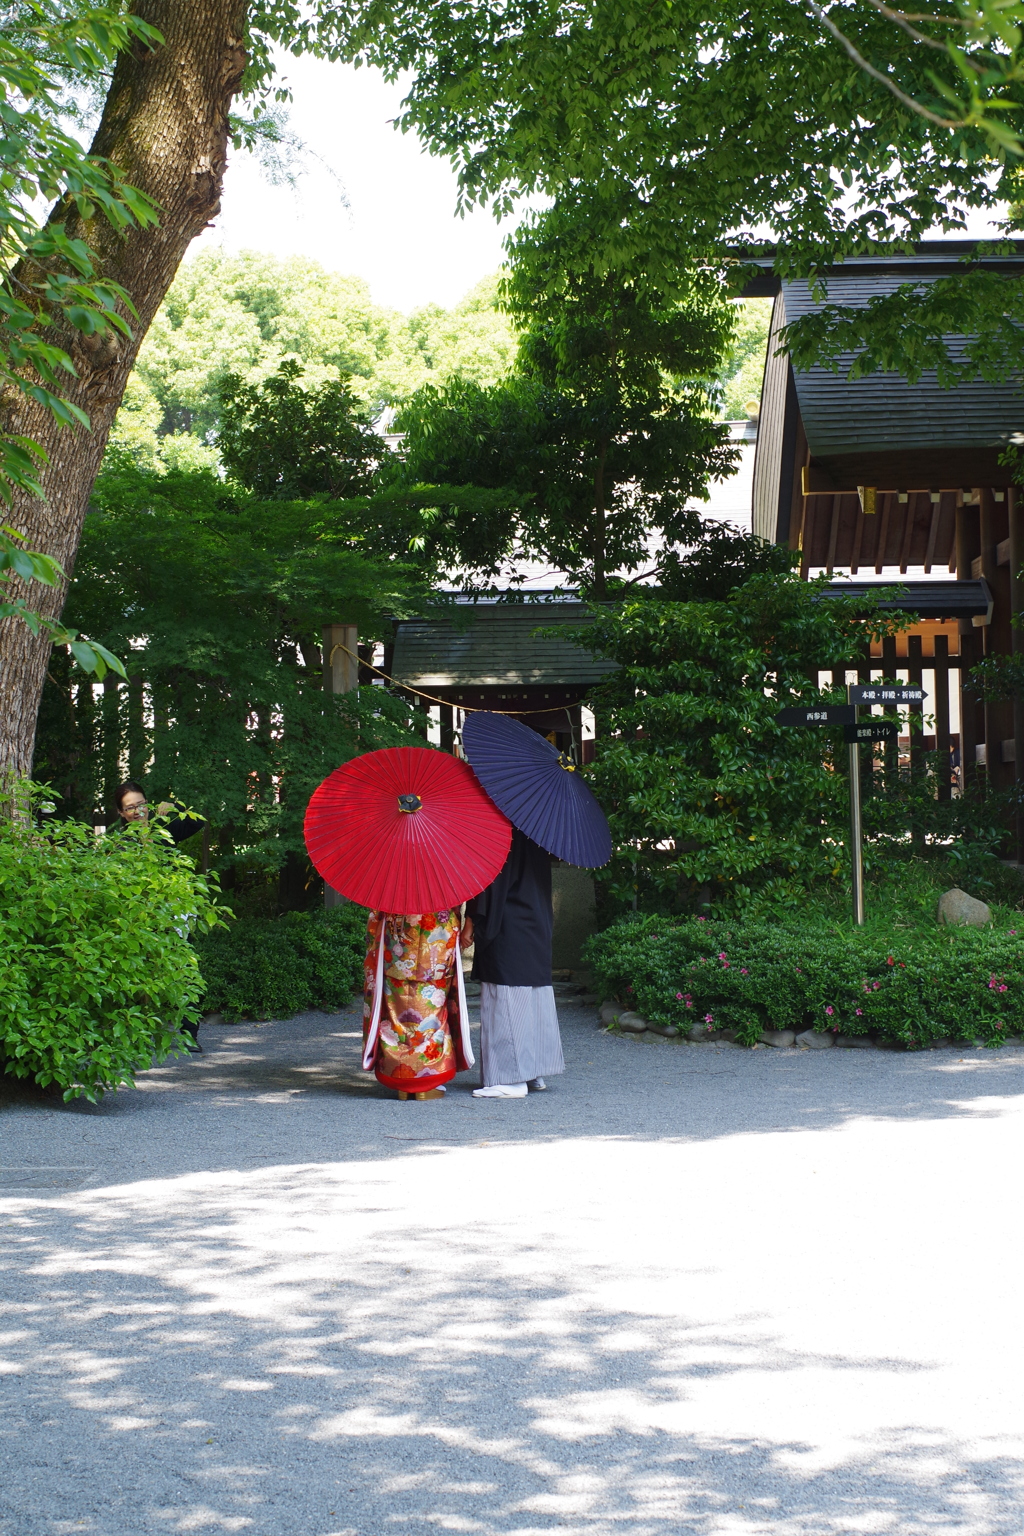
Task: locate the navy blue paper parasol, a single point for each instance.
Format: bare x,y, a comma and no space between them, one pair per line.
538,789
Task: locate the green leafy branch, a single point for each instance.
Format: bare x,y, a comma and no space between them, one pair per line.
986,55
30,565
46,276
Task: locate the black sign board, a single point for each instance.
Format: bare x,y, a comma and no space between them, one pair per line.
887,693
817,714
872,730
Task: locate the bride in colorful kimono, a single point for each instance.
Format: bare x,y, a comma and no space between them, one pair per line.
415,1018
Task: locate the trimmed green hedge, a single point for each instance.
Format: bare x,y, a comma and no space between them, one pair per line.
271,968
914,987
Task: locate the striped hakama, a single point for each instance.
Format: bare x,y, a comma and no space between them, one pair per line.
519,1037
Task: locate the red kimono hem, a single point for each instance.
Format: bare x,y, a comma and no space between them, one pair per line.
413,1084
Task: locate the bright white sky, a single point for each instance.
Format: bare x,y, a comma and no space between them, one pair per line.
399,231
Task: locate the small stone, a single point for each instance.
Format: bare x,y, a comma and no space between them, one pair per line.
589,999
632,1023
778,1037
212,1018
668,1031
810,1040
958,908
609,1012
944,1045
855,1042
563,975
700,1032
1010,1040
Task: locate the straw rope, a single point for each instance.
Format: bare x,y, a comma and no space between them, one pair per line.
467,709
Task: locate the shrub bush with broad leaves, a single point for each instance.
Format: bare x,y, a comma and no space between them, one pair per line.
97,974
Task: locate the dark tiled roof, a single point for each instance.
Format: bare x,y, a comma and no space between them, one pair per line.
498,647
928,599
882,411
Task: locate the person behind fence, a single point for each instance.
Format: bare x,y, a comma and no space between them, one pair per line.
415,1019
511,924
133,810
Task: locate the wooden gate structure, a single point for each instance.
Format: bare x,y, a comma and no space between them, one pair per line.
904,482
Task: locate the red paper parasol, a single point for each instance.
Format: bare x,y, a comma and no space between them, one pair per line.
406,829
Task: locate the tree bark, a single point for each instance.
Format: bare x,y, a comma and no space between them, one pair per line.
165,126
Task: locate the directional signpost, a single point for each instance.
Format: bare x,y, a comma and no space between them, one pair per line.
892,695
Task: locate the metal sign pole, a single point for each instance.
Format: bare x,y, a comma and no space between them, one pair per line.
856,854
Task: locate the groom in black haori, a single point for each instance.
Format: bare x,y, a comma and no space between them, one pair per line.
511,926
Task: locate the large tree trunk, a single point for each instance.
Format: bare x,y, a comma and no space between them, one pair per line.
165,125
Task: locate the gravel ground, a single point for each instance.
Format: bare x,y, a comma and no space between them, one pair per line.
689,1289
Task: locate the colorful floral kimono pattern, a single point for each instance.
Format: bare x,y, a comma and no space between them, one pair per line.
415,1035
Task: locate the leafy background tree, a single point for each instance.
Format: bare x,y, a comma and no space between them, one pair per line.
245,315
600,437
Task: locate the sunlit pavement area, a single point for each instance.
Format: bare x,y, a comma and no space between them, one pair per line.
690,1288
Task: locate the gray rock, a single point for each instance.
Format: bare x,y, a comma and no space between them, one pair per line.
632,1023
1010,1040
668,1031
855,1042
944,1045
610,1012
589,999
212,1018
958,908
778,1037
700,1032
810,1040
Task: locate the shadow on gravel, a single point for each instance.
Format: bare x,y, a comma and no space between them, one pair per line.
612,1087
325,1352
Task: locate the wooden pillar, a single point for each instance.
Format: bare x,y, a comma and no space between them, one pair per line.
138,756
110,749
942,742
1015,506
341,658
341,675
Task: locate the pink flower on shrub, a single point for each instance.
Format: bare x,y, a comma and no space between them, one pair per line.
721,957
876,985
858,1011
890,961
830,1011
679,997
708,1019
744,972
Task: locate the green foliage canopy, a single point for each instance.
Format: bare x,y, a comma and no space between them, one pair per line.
278,440
597,441
244,315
